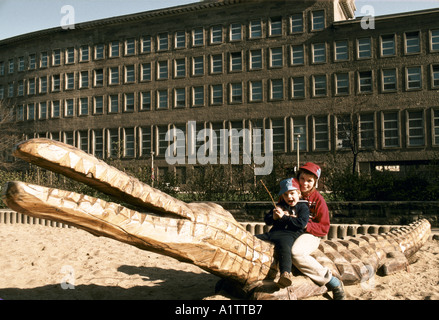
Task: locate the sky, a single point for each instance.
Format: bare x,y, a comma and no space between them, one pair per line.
24,16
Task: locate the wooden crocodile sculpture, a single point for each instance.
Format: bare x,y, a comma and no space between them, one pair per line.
203,234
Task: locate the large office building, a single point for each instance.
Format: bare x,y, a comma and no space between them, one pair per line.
323,80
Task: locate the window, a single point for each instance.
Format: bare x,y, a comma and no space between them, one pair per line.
198,66
44,60
162,72
146,44
278,127
180,40
297,23
113,143
163,42
297,55
435,76
319,86
321,133
216,34
255,29
83,140
128,102
56,58
198,96
55,109
434,40
342,83
341,50
415,128
388,80
319,53
69,108
255,91
130,47
276,26
235,32
344,132
130,75
11,66
162,99
364,48
114,49
42,111
32,86
83,106
236,61
198,37
180,68
84,53
99,52
435,126
217,63
256,59
298,87
43,84
388,45
98,105
20,88
69,138
70,81
299,128
129,143
114,75
412,42
98,143
236,93
365,81
31,112
179,97
391,129
21,64
145,142
276,57
277,89
414,78
318,20
20,113
217,94
83,79
145,101
32,62
146,71
367,131
161,141
70,55
56,83
98,78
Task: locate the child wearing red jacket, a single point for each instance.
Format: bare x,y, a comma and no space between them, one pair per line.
317,227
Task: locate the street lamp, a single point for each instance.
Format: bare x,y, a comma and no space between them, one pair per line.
152,169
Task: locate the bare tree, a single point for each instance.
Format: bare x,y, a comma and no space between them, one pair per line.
9,136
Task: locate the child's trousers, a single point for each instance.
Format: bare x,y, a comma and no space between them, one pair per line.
283,242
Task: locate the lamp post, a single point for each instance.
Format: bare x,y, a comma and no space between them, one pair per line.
298,151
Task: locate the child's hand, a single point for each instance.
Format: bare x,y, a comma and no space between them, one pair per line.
278,213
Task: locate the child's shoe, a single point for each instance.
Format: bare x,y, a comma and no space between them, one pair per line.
285,280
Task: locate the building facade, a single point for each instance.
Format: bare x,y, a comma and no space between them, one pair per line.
326,83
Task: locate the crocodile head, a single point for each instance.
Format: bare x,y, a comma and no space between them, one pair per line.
203,234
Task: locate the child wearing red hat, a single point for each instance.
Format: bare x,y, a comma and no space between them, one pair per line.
289,219
317,227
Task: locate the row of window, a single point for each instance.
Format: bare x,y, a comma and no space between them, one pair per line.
297,53
141,141
219,94
162,42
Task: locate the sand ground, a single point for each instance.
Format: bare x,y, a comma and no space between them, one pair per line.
39,262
